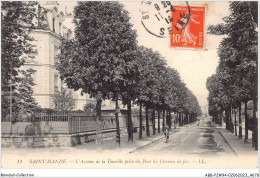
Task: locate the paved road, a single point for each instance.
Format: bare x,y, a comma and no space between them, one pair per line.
197,139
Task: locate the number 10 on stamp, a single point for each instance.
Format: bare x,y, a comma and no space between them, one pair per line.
188,27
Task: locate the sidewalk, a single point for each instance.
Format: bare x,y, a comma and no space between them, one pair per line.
125,146
239,146
128,147
108,146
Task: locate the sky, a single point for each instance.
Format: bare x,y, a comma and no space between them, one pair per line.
194,66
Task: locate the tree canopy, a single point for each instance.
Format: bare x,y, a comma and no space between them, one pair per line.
104,61
16,84
236,76
236,80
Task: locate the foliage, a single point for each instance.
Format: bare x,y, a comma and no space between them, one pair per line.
105,62
90,109
99,57
161,87
63,100
236,76
16,23
23,103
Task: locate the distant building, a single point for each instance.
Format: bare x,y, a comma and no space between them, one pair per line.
204,110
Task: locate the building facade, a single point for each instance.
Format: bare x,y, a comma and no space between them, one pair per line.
53,24
50,28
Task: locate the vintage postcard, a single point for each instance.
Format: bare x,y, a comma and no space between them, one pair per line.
120,84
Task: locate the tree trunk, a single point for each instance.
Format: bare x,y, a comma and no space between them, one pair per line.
147,122
175,120
255,123
140,122
178,117
182,119
216,119
170,120
235,113
167,118
117,124
163,120
246,122
130,123
99,123
153,121
158,121
231,120
239,120
221,116
227,118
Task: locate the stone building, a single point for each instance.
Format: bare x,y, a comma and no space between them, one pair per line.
50,28
53,24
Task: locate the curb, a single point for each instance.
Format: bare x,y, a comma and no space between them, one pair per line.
228,143
156,140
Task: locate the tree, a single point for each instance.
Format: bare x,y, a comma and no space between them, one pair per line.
127,92
16,24
63,100
100,56
150,66
238,57
160,88
23,103
89,108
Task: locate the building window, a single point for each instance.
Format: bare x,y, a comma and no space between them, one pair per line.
53,25
56,77
56,51
52,2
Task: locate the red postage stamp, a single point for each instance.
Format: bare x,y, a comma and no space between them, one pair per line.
188,27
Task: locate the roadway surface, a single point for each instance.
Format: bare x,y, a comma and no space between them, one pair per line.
199,139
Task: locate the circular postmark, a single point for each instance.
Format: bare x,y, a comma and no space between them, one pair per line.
157,17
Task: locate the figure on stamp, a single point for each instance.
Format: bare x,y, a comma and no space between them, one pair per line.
188,37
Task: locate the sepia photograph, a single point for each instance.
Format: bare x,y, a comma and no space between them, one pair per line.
129,84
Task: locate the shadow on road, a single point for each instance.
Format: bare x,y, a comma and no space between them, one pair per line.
207,140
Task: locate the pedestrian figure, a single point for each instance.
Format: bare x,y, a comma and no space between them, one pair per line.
166,133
